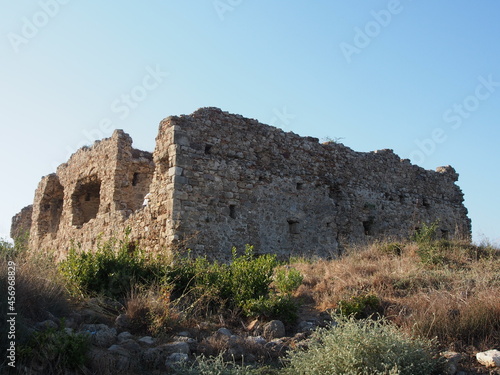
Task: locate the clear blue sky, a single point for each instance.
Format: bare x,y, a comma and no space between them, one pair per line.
420,77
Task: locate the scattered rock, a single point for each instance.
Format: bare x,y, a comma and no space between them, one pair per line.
122,322
306,326
452,359
276,346
193,344
153,357
148,340
132,346
118,349
490,358
100,334
224,331
46,324
176,358
184,334
124,336
177,347
256,340
275,329
235,352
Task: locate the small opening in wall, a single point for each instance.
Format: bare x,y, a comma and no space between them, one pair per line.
368,226
425,203
232,211
293,226
135,179
300,186
208,149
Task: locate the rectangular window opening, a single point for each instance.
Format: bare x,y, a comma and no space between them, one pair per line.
232,211
293,226
135,179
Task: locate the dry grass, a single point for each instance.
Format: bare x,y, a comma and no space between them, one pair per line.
40,290
448,290
150,310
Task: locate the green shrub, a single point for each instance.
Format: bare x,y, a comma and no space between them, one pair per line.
251,276
287,280
392,248
242,285
112,270
364,347
426,234
282,307
432,254
6,248
55,350
359,307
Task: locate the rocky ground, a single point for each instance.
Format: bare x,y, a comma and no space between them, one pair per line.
115,350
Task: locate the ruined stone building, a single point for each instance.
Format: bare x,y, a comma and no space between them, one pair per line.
217,180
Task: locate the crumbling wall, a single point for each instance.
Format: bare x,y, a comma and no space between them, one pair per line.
217,180
21,223
237,181
91,196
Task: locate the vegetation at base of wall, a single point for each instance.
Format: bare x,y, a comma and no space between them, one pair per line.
112,270
353,346
197,286
244,285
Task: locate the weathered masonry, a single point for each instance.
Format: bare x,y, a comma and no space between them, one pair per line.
217,180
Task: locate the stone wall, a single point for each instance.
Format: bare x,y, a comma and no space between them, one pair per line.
217,180
91,196
237,181
21,223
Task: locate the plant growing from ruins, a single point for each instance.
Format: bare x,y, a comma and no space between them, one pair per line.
426,234
287,280
244,285
111,270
